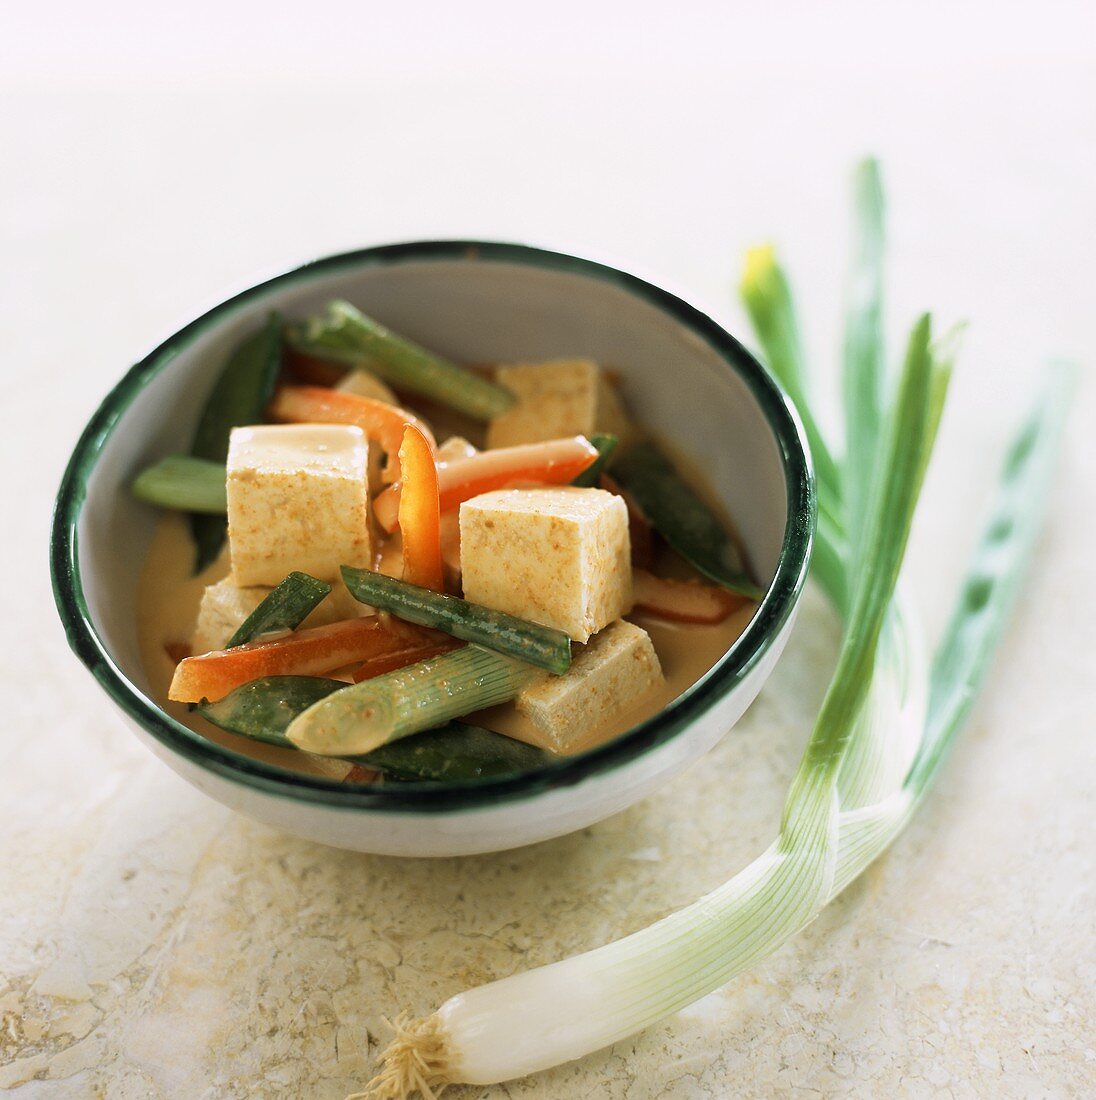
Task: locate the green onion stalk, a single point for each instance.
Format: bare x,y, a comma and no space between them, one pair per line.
885,725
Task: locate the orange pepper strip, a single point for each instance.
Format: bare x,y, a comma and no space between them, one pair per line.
555,462
420,512
378,666
308,652
381,422
683,601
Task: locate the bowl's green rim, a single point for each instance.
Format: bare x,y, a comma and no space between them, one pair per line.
763,629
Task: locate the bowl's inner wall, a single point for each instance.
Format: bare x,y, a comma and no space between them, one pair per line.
474,311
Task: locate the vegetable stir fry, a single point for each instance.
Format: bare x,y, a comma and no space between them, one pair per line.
429,608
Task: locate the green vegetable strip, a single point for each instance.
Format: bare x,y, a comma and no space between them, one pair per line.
913,428
605,445
183,483
864,366
829,563
264,708
240,396
347,335
682,518
453,753
538,645
768,301
962,658
284,608
990,589
409,700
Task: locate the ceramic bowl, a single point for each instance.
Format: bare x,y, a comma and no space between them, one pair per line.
684,377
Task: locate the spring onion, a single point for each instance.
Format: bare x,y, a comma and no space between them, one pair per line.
285,607
239,396
538,645
885,725
682,518
346,335
409,700
184,483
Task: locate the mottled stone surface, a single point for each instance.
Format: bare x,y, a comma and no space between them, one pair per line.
152,944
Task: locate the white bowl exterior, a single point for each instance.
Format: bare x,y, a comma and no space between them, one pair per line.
510,824
676,383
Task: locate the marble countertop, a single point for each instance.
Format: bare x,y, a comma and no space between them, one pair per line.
153,944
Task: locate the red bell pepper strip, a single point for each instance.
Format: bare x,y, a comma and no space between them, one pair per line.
420,512
309,652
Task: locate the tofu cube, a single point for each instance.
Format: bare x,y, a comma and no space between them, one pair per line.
225,606
560,557
616,669
558,398
298,498
366,384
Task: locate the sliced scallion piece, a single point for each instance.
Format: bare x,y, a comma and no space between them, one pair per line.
348,336
682,518
284,608
605,444
239,397
184,483
538,645
365,716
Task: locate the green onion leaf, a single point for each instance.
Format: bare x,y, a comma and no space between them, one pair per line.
347,336
538,645
864,366
185,484
285,607
768,300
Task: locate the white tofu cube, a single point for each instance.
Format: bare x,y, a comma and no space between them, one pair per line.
554,399
559,557
298,498
225,606
366,384
616,669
